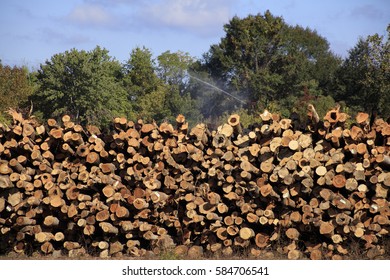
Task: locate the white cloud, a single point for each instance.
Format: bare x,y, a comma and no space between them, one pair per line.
205,18
90,14
199,17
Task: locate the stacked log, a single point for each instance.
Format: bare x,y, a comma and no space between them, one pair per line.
144,187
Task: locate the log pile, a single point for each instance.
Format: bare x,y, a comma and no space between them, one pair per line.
308,192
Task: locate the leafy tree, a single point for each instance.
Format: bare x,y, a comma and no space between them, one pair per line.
85,85
365,74
311,93
152,106
173,69
159,91
243,58
15,88
266,60
140,74
307,58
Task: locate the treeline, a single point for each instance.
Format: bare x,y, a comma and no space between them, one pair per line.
261,61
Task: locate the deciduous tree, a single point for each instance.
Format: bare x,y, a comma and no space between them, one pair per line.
87,85
15,88
365,74
265,60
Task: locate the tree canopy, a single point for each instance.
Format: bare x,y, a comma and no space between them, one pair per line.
85,85
260,62
264,59
365,74
15,88
158,89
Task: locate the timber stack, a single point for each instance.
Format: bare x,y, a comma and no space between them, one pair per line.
307,191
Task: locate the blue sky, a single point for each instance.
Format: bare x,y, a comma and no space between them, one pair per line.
31,31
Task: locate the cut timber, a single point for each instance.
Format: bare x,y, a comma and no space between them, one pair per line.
56,201
337,238
138,188
51,221
220,141
47,247
122,212
266,166
226,130
2,204
107,167
292,233
246,233
15,199
222,233
332,116
321,170
234,122
140,203
326,228
252,218
294,254
102,215
93,158
158,196
24,221
316,254
359,232
294,145
108,228
5,182
42,237
266,116
5,169
362,118
339,181
313,115
262,240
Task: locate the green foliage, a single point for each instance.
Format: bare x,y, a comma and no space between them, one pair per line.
312,94
85,85
365,74
15,88
152,106
243,58
262,60
172,67
140,76
159,92
267,61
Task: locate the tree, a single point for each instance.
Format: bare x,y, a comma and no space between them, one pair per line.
365,74
243,58
159,90
85,85
307,58
173,70
15,88
263,59
140,74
